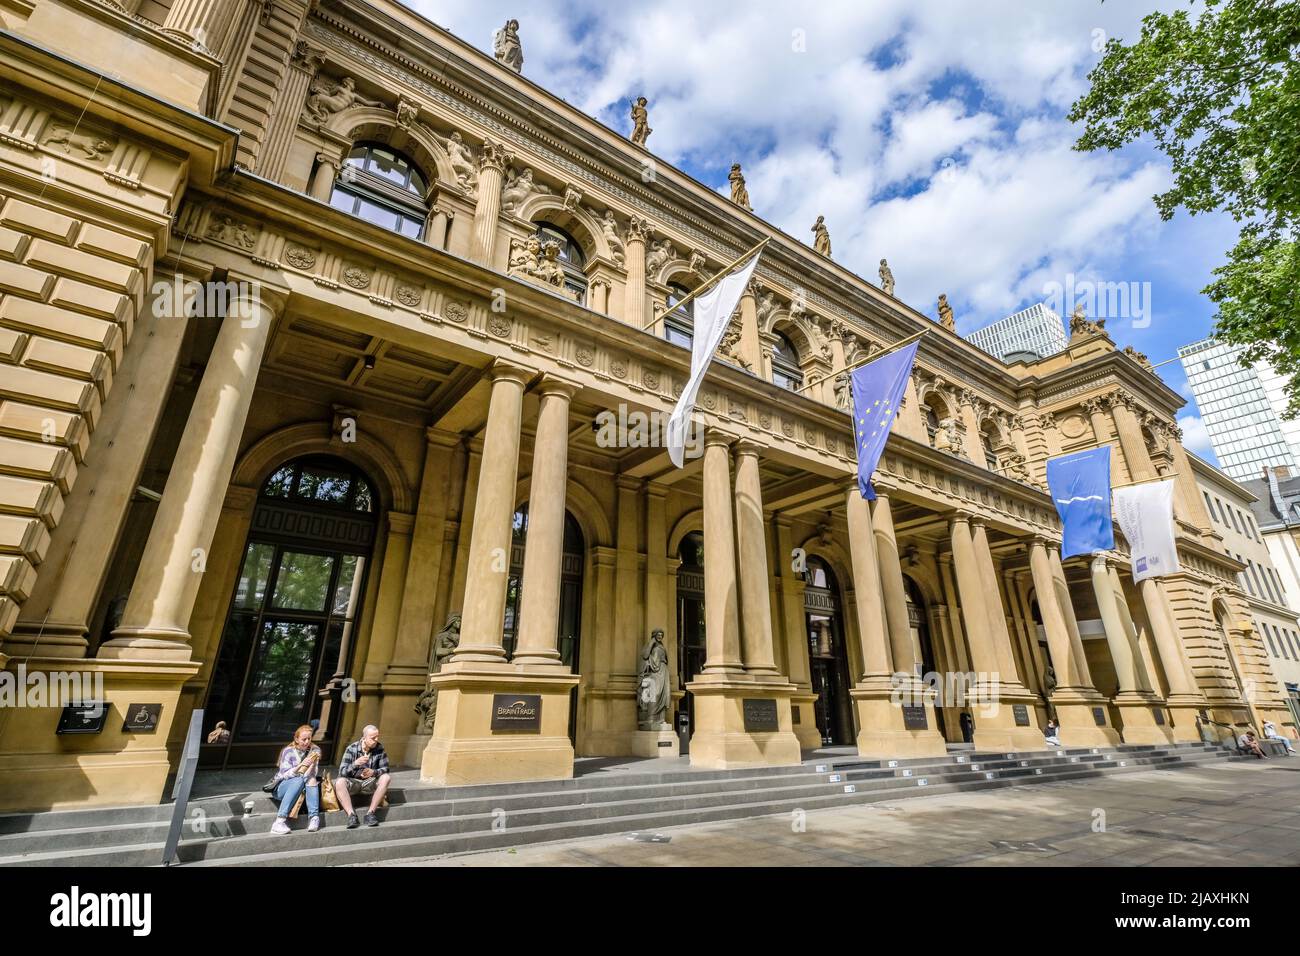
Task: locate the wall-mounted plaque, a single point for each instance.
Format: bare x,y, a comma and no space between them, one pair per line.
759,714
84,718
517,712
1099,715
914,717
141,718
1021,713
1160,716
794,714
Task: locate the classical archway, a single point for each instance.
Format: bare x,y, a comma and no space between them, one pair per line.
692,650
289,627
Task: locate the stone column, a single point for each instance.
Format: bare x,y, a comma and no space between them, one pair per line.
197,22
323,176
1141,662
489,549
1184,696
1136,706
880,695
790,587
657,608
56,617
891,580
1130,439
435,225
721,620
1049,607
997,701
998,629
1096,409
1067,608
634,263
751,547
155,622
544,553
487,211
876,664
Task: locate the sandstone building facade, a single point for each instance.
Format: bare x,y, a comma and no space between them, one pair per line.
422,281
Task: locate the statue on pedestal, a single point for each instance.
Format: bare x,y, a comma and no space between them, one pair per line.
652,697
445,643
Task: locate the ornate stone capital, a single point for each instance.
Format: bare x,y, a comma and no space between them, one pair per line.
638,230
494,156
308,57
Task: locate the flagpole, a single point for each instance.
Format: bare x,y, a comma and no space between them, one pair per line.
902,343
722,272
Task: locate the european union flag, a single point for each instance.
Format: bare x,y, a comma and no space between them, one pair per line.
1080,486
877,390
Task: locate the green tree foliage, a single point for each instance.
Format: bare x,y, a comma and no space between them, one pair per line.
1219,93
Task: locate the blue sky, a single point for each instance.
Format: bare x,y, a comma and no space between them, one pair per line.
930,133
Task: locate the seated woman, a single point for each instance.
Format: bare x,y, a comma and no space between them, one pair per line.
297,771
1052,734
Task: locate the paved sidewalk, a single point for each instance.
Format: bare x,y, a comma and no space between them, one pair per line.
1223,814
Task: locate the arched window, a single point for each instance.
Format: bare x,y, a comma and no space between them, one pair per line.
990,436
785,364
382,186
931,421
571,258
679,323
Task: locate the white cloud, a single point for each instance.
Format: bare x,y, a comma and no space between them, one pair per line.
929,133
1195,437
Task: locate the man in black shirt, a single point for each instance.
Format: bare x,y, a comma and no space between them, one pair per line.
363,770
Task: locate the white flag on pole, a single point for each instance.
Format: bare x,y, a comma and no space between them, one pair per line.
712,315
1145,514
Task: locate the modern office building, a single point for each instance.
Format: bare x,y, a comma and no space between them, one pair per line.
1241,407
309,313
1033,332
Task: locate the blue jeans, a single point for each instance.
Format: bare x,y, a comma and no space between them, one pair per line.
289,789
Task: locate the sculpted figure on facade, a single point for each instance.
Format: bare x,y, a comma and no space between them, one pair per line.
68,139
609,227
445,643
739,194
948,437
408,112
821,236
462,160
730,347
765,307
1139,357
519,186
1081,325
945,314
640,121
661,253
843,395
653,697
507,48
327,98
886,278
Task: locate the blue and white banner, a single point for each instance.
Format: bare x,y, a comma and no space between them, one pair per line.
1080,488
1145,514
877,390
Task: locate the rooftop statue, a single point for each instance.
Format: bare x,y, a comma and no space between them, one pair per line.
640,121
507,48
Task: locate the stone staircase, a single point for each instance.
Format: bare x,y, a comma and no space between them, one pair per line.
431,821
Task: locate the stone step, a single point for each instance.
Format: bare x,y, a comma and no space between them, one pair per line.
238,837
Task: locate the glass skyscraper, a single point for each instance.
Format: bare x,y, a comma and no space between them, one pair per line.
1241,407
1036,329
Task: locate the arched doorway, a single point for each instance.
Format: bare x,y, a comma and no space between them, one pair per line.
569,630
289,631
692,651
827,656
